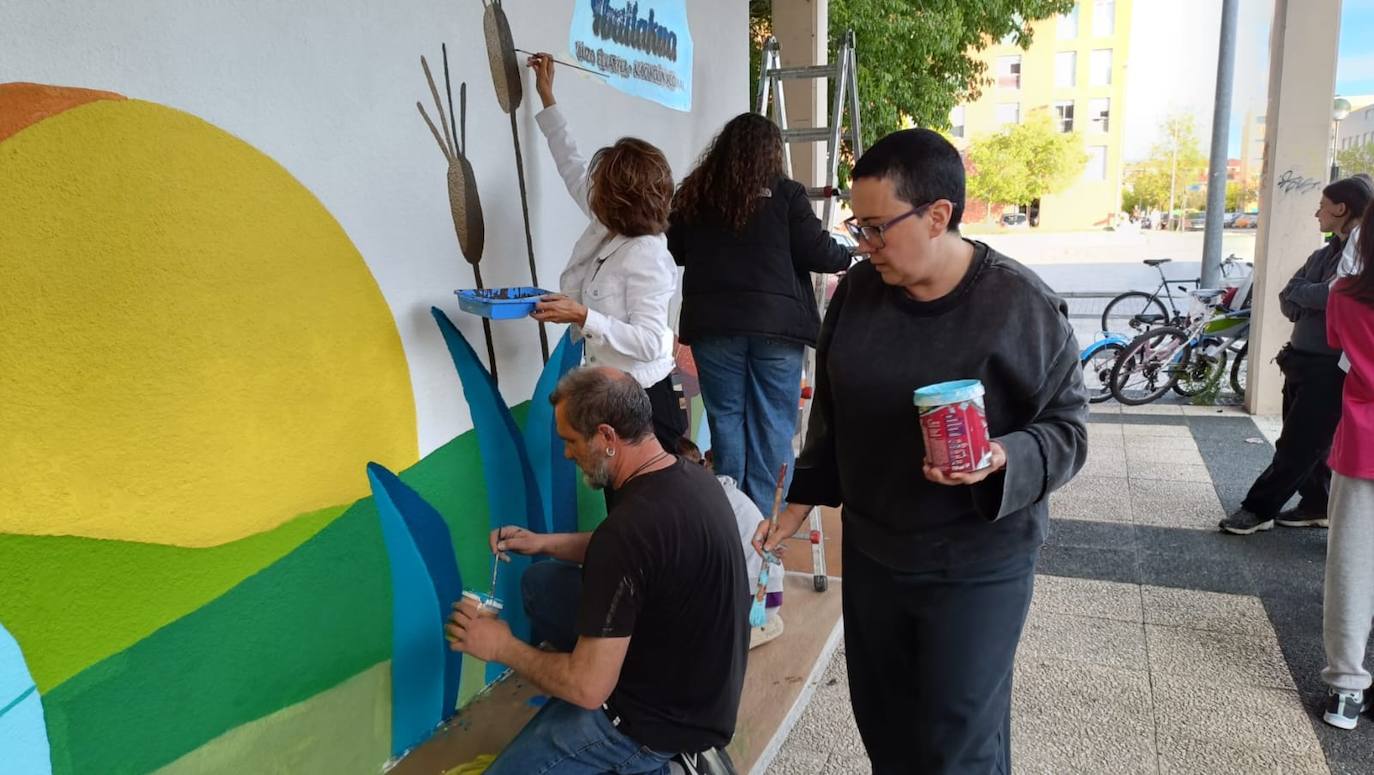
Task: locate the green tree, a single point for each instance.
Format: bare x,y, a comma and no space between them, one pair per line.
917,58
1176,161
1024,162
1234,194
1358,159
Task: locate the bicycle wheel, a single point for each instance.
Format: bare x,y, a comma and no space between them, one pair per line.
1199,372
1240,371
1150,366
1133,311
1097,372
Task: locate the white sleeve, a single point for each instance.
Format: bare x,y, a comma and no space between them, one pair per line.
571,166
1350,265
1350,260
644,335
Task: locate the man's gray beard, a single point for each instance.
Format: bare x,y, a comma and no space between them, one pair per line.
599,478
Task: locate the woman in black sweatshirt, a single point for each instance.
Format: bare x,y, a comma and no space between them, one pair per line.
749,241
938,567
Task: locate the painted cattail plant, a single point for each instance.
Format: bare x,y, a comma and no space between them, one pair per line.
464,202
506,79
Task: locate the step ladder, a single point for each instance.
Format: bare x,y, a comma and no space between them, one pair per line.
842,77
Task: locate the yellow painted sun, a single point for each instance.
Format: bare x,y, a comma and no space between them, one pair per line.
191,349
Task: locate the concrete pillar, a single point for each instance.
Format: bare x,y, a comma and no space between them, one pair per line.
1302,80
802,30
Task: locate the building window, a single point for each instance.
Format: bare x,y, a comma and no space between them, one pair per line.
1097,163
1104,18
1065,68
1100,67
1063,115
1068,24
1009,113
1009,72
956,121
1099,111
1369,115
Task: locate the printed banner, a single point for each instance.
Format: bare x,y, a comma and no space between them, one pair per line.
643,47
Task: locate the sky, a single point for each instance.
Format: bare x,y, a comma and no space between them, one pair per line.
1173,63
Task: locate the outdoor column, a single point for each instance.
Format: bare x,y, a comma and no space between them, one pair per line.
1297,139
802,30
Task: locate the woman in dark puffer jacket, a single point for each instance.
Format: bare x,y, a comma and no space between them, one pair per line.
749,240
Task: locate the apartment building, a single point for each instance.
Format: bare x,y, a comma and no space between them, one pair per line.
1075,73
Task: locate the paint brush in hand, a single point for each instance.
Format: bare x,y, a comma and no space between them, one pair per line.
757,615
495,569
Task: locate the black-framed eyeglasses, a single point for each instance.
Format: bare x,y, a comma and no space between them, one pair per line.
873,233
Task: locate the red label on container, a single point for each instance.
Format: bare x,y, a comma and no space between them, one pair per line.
956,436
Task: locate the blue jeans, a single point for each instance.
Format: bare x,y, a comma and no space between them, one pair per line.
563,738
751,386
552,591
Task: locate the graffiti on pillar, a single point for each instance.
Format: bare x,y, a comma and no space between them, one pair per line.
1290,182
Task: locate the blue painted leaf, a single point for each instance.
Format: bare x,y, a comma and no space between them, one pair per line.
23,733
418,651
431,537
512,493
556,475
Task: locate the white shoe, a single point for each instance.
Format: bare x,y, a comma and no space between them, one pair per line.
771,629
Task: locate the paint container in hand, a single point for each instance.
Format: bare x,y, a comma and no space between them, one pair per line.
954,425
487,606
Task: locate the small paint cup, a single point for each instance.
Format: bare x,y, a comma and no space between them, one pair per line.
954,425
487,606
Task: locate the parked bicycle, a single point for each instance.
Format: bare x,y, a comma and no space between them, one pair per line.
1098,359
1187,359
1139,310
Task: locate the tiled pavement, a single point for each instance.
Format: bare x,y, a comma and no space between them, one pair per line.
1155,644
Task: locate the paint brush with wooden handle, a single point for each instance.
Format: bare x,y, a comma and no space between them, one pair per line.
757,613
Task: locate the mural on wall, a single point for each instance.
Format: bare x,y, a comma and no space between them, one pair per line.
199,366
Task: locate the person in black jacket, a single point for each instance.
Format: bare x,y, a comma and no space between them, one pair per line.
1312,382
938,567
749,240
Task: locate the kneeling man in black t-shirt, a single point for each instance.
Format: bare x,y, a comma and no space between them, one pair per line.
649,611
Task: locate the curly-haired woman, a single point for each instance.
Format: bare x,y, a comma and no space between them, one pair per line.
749,241
620,278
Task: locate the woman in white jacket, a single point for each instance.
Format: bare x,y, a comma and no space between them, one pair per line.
620,277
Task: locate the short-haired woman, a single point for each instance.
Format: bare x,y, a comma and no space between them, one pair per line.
1312,378
749,240
620,278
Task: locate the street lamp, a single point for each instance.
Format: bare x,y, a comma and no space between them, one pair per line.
1340,109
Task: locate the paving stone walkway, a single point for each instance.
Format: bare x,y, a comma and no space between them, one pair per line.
1155,644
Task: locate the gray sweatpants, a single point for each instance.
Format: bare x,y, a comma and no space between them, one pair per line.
1348,610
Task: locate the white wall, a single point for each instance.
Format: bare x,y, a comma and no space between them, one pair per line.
328,90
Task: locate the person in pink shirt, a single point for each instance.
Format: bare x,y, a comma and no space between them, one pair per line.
1349,595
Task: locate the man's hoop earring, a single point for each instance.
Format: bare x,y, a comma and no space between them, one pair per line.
610,452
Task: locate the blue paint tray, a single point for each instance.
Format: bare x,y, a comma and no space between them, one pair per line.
499,303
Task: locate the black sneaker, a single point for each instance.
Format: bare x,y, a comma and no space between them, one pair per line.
1300,518
1343,709
1243,523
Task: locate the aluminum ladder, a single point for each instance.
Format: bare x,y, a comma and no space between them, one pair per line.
842,77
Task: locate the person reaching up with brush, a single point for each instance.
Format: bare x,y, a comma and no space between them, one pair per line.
620,277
